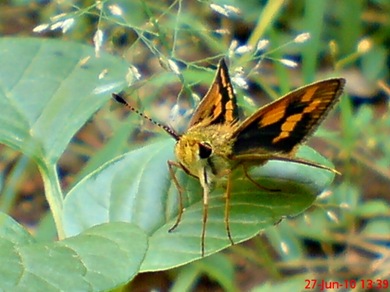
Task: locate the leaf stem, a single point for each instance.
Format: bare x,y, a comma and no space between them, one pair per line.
54,194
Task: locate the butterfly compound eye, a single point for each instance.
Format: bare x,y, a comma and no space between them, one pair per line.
205,150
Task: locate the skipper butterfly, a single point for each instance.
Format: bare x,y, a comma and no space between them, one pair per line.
217,142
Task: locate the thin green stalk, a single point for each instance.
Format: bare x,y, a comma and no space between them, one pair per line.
186,279
54,194
314,19
266,17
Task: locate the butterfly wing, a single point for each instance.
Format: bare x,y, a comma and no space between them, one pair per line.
219,105
285,123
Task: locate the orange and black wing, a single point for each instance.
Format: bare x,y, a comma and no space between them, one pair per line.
219,105
287,122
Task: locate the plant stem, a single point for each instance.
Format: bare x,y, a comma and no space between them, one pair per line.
54,195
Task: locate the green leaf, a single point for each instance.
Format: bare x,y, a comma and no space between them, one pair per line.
137,188
101,258
220,268
47,93
372,208
285,242
377,228
217,267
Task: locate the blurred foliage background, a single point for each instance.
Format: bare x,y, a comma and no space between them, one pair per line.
346,235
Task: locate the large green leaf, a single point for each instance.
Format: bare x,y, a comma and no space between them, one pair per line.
136,188
47,92
100,258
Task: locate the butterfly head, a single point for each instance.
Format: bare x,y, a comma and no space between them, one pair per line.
193,153
205,151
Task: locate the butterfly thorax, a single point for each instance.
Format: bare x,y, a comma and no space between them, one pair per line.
206,150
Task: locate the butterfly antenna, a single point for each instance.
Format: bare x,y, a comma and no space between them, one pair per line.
167,129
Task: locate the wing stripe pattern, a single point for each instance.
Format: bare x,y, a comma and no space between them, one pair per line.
219,105
287,122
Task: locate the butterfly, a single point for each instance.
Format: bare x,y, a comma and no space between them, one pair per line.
217,142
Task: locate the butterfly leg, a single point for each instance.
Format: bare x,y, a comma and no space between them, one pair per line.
204,221
227,208
172,164
256,183
206,191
